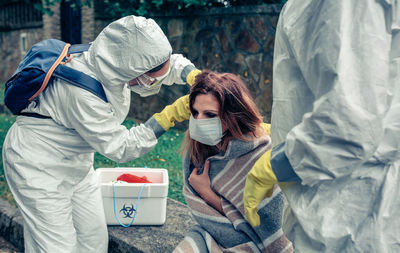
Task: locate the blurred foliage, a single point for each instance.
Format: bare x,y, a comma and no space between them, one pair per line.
44,5
120,8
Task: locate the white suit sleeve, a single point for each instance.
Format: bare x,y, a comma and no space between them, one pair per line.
94,121
341,48
180,68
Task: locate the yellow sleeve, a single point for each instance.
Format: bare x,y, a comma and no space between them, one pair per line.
179,110
266,127
259,184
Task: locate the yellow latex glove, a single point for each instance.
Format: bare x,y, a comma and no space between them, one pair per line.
177,111
259,184
191,77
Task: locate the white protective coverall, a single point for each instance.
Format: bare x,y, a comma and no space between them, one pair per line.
49,162
336,122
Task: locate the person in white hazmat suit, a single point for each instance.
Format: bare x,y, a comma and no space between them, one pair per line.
48,162
335,126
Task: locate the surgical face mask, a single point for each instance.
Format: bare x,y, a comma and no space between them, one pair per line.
145,92
206,131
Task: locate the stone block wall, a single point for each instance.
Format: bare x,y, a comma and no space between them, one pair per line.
10,49
236,40
239,40
10,41
88,24
52,24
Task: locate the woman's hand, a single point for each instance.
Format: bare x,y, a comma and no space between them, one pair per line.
202,185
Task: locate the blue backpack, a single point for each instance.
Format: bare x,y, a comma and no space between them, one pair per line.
44,61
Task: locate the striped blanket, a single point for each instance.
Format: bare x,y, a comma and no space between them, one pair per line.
231,232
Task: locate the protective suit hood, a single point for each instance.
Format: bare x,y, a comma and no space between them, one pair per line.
127,48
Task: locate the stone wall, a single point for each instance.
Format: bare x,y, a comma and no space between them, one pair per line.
10,41
88,24
10,49
52,24
237,40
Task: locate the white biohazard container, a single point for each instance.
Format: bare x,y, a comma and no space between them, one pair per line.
134,203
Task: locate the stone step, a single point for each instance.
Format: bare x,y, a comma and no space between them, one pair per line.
152,239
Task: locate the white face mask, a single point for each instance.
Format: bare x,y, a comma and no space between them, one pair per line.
145,91
206,131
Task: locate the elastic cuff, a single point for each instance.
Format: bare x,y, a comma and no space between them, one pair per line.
186,70
281,166
155,126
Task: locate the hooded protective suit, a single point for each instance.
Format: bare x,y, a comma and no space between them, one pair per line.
49,162
335,124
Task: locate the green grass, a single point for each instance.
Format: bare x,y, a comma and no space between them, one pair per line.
164,155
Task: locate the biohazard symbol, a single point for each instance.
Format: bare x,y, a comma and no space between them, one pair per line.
128,211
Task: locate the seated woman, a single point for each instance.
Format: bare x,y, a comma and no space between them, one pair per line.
224,140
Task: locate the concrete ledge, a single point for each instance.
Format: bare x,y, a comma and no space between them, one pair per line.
11,224
152,239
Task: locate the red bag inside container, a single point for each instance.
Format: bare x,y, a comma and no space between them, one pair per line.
130,178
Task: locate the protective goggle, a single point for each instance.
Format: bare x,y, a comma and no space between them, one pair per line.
148,81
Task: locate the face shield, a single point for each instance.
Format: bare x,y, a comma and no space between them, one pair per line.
148,81
147,85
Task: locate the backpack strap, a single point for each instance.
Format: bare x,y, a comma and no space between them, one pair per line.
71,75
35,115
46,80
81,80
78,48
